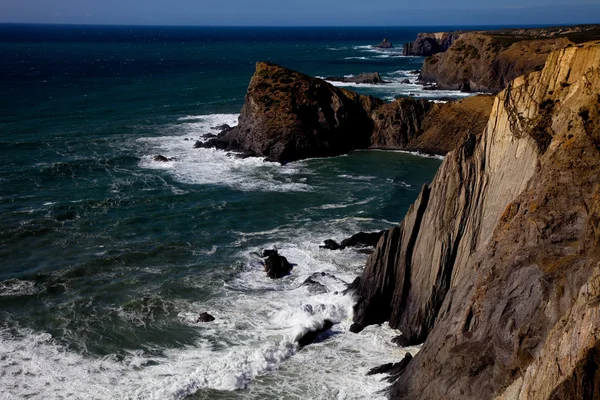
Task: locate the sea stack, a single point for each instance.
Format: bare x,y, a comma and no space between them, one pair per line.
385,44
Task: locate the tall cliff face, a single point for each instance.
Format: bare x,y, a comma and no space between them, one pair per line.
428,44
496,266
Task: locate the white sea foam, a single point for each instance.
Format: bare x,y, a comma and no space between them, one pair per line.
215,167
414,153
252,344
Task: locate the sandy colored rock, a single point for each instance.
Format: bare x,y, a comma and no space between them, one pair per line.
496,267
487,61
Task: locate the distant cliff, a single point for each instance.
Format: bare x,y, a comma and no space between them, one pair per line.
428,44
496,266
487,61
288,116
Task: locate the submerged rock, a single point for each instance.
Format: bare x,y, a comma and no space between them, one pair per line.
372,77
205,317
360,239
310,336
222,127
161,158
277,266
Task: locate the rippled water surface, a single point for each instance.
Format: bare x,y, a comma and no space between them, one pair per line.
108,257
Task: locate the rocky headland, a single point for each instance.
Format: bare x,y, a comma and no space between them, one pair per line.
487,61
428,44
288,116
496,266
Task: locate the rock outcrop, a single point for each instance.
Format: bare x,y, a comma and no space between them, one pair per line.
432,128
385,44
289,116
365,77
496,266
360,239
428,44
277,266
487,61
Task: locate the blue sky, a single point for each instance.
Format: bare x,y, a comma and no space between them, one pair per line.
298,12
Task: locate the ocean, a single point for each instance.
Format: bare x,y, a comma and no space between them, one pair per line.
108,257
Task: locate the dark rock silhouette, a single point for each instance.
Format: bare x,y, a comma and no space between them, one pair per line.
205,317
372,77
310,336
385,44
277,266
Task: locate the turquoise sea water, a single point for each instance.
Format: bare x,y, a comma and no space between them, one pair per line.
108,257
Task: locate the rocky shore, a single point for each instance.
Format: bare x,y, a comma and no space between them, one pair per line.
495,268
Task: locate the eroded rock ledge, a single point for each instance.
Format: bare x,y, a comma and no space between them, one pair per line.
496,267
288,116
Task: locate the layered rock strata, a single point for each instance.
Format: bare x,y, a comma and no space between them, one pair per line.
496,266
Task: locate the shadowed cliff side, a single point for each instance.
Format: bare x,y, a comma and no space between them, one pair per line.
496,266
428,44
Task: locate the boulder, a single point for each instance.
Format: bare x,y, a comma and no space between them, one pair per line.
277,266
205,317
161,158
330,244
405,81
385,44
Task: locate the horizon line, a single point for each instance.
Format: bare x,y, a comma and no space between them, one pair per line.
548,25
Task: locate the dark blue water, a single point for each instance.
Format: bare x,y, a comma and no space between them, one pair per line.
109,257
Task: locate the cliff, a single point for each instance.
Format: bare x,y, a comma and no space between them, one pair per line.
496,267
487,61
432,128
428,44
289,116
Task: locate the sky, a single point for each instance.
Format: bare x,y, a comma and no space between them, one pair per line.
301,12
